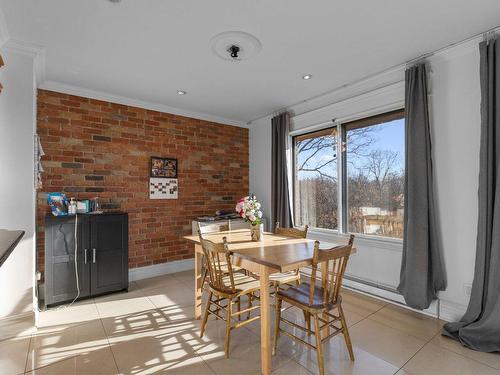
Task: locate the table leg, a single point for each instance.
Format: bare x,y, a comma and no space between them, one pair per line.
265,322
198,288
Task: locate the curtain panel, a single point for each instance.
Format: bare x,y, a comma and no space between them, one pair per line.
281,208
479,328
422,270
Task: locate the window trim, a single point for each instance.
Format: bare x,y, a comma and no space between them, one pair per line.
342,191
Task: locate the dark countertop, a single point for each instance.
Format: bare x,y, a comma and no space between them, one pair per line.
104,213
8,241
215,219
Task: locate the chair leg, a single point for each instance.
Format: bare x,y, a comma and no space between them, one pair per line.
276,289
239,307
345,331
228,326
205,316
307,319
319,349
277,315
250,296
203,278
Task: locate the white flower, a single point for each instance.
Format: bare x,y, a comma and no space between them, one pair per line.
257,205
259,214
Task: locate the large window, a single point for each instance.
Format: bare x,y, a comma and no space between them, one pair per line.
360,189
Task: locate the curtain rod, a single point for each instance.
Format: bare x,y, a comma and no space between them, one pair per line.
485,34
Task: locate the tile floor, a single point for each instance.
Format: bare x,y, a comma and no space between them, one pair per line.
151,330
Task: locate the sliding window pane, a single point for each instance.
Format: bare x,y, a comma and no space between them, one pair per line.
375,177
315,185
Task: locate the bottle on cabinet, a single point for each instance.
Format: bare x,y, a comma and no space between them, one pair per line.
72,207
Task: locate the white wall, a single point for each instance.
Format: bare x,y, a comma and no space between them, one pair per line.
455,108
260,163
455,117
17,208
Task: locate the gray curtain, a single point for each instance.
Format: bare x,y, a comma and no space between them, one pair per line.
479,328
279,179
422,270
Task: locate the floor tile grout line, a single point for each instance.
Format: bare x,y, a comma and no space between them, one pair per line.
52,364
63,359
27,355
406,333
418,351
461,355
363,319
109,343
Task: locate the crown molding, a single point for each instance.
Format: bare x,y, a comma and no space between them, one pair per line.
38,54
99,95
31,50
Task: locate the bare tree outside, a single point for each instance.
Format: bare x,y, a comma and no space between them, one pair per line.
375,179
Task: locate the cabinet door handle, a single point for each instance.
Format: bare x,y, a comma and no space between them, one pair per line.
93,255
85,256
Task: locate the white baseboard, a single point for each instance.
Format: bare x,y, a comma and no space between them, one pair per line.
451,311
448,311
20,316
17,325
160,269
389,296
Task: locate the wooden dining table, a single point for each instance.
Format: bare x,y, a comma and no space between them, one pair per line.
272,254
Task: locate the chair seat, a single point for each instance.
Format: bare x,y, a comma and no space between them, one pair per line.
284,277
243,284
299,295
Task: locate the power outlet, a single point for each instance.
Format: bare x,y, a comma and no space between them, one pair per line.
468,289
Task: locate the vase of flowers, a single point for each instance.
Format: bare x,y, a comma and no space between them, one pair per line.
249,208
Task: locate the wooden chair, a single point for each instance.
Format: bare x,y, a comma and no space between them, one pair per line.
279,279
212,228
319,300
226,285
215,228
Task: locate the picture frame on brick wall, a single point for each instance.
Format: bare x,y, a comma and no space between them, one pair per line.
163,188
163,167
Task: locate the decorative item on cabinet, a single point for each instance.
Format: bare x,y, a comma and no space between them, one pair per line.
99,255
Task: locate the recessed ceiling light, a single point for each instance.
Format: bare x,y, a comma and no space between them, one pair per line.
180,92
307,76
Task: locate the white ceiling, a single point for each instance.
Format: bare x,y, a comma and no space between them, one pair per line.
149,49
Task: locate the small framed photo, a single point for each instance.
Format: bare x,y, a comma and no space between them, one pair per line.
163,167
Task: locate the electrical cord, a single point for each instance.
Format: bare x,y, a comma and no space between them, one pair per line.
76,266
76,262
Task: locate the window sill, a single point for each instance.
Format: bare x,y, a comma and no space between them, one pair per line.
392,244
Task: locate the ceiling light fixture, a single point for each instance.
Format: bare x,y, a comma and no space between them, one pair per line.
235,46
180,92
307,76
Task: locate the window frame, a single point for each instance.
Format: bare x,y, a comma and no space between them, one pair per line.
342,188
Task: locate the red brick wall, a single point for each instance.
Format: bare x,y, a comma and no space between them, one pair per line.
95,148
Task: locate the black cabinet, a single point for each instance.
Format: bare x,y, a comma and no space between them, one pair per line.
101,255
